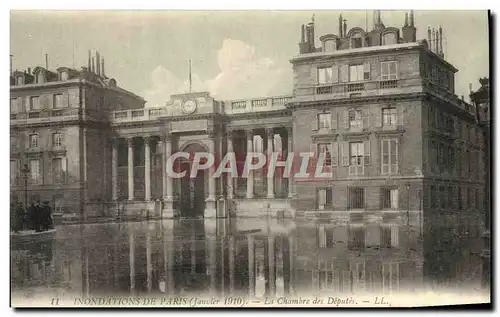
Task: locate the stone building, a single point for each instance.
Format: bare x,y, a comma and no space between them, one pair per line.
378,104
60,131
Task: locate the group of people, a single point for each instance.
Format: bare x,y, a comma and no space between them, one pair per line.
36,217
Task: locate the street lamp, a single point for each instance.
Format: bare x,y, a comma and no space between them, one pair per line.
25,170
408,205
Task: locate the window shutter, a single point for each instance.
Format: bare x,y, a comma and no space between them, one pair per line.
345,153
367,71
400,115
335,74
367,152
321,75
366,118
65,170
334,120
335,154
344,73
346,119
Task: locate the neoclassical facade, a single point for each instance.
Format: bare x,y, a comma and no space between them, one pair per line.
378,104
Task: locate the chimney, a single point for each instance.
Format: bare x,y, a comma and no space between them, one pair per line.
303,34
412,19
340,26
102,68
434,41
441,42
93,66
46,61
98,63
409,31
29,70
89,66
429,38
345,28
406,19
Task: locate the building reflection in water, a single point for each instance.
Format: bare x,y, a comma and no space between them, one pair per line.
247,257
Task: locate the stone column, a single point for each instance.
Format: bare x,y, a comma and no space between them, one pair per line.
168,199
231,249
291,189
149,266
130,142
270,149
210,201
230,149
272,265
251,266
250,174
132,260
147,169
114,170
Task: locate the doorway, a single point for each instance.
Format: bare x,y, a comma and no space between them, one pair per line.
192,204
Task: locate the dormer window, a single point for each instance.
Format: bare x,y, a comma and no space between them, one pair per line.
330,46
64,75
20,80
356,40
40,77
389,38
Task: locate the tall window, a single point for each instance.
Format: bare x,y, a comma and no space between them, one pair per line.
19,80
356,153
13,172
390,198
325,75
442,197
356,73
57,170
356,238
13,105
325,149
355,118
356,41
389,70
389,156
324,121
325,200
33,140
389,38
57,139
35,171
434,201
459,198
64,75
330,46
58,101
389,117
35,103
356,198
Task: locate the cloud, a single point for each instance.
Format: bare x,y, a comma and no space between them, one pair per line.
242,75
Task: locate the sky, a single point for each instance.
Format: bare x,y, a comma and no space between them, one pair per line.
235,54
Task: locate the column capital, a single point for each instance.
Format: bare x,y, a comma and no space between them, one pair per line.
130,141
148,139
211,133
270,133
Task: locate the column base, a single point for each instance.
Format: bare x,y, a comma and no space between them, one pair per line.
270,196
168,211
210,211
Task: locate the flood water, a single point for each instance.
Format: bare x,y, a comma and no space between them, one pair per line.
251,258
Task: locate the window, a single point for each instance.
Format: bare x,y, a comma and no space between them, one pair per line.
13,172
470,198
441,157
33,140
356,238
389,70
64,75
35,171
356,73
356,198
355,118
13,105
35,103
57,170
57,139
356,152
324,120
389,156
434,203
459,198
389,38
19,80
326,150
330,46
325,75
389,236
388,117
356,41
450,197
442,197
58,101
390,198
324,198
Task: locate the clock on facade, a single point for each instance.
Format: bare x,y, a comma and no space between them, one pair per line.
189,106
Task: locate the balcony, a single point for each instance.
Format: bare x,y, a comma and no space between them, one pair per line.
50,115
261,104
385,84
137,115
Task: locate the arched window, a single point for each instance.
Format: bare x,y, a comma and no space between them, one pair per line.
330,46
356,40
64,75
389,38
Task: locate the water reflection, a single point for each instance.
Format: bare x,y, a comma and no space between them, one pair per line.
250,257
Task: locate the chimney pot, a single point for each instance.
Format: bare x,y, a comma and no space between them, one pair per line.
29,70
